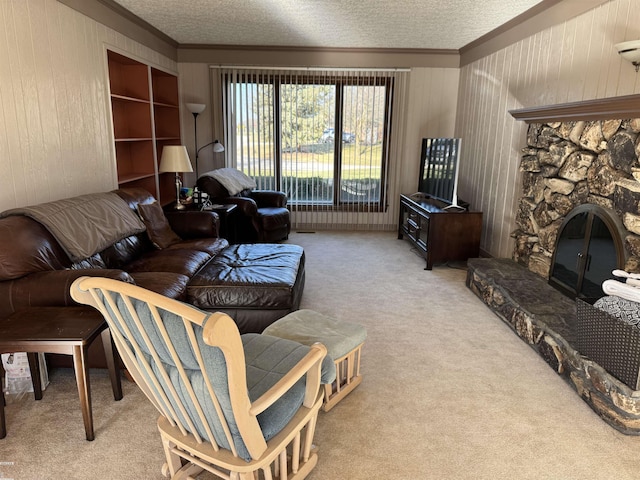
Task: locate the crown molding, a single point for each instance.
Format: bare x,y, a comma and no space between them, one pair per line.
540,17
113,15
284,48
260,55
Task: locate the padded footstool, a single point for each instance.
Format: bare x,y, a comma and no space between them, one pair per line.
343,340
255,284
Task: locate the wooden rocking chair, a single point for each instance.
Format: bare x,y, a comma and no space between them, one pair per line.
231,405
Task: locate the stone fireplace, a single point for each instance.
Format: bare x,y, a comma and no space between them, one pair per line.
577,163
572,163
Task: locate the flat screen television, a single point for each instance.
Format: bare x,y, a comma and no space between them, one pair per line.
439,169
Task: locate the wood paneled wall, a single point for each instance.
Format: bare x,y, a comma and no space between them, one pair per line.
572,61
431,112
195,86
55,130
56,136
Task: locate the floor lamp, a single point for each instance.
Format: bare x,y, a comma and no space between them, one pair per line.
196,109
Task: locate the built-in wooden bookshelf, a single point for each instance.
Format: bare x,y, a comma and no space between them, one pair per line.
146,117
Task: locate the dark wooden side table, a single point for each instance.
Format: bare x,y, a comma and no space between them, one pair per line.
227,225
65,330
225,213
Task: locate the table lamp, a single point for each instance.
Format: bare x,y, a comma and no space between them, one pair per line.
175,159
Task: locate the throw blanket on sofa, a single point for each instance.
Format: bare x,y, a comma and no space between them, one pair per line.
232,179
86,224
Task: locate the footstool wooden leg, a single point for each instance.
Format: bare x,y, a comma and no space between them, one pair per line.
112,364
84,390
347,378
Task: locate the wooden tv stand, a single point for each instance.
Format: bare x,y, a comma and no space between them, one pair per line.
439,233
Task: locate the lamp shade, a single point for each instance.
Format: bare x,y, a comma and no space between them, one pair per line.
175,159
196,107
630,51
218,147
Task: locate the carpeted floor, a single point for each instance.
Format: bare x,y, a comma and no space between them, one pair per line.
449,392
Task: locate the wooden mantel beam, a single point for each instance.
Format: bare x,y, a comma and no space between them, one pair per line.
601,109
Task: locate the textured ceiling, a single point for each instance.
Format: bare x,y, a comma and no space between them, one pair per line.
437,24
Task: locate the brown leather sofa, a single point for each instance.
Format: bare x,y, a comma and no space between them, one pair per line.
198,268
261,216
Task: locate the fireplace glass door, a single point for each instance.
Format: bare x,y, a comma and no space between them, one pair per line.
588,248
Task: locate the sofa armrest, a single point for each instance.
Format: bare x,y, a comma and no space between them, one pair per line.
194,223
48,289
269,198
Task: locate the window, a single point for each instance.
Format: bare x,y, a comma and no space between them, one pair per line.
321,137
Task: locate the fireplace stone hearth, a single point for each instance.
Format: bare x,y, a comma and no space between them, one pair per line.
546,320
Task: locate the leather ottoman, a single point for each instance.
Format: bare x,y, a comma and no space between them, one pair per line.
255,284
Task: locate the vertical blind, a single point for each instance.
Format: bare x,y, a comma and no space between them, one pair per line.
327,138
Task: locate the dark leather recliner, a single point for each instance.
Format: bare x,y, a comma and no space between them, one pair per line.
261,217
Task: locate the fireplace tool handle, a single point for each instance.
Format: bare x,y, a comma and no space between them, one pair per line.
579,261
583,263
